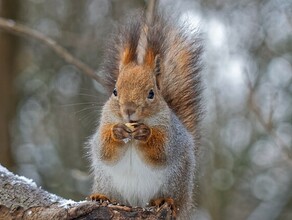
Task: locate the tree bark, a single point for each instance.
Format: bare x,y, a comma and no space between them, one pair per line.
20,198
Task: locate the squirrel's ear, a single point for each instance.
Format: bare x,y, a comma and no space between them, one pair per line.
128,55
150,58
157,70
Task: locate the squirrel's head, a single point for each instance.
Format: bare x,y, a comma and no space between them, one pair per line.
137,91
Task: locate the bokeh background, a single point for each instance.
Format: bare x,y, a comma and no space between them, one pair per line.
49,108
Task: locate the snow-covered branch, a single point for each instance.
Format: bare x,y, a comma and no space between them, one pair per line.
21,198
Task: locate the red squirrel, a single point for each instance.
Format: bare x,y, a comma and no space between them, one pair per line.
144,149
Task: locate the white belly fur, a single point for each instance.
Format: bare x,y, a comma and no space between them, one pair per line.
134,180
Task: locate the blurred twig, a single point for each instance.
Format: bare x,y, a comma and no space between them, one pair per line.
152,6
19,29
268,125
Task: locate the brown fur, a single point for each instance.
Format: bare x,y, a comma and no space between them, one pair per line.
144,59
179,79
128,55
99,197
133,92
111,148
149,57
125,39
154,148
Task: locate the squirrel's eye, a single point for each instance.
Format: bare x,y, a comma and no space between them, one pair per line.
115,92
150,94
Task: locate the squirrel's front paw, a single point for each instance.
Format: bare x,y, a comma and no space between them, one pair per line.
165,202
121,131
141,132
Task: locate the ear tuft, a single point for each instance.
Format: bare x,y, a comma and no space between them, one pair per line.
157,64
149,57
128,55
157,70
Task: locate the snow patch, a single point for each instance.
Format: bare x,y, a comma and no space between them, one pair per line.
64,203
27,181
4,170
18,178
54,198
68,203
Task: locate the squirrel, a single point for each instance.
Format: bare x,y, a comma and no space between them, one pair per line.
144,151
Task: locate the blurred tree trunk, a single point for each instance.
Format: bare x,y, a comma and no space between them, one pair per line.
8,9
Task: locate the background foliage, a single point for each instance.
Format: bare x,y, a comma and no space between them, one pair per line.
49,108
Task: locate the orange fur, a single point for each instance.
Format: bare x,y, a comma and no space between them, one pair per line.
128,55
154,149
99,197
133,86
149,57
110,147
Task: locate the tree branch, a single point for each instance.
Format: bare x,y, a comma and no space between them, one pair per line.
20,198
18,29
267,125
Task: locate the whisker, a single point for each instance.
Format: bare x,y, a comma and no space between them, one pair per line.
89,95
84,109
80,103
88,116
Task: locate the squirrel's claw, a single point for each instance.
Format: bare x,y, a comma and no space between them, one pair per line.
162,202
142,132
121,131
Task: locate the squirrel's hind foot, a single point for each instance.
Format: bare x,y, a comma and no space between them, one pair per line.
161,203
100,198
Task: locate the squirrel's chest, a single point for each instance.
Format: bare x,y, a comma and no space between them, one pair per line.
134,180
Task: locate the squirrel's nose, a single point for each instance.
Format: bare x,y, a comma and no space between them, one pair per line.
130,110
